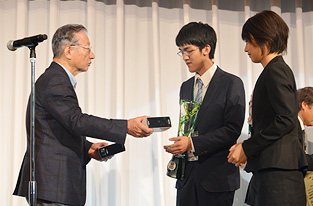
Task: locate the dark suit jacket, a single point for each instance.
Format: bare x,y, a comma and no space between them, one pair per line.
309,157
219,124
274,142
61,148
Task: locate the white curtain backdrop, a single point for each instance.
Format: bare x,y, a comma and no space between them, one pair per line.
136,72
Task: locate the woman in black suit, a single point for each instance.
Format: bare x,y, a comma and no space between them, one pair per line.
273,153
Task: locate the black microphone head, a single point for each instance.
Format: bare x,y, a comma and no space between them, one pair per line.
27,41
10,45
38,38
42,37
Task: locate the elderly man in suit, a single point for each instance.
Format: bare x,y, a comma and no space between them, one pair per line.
209,178
61,149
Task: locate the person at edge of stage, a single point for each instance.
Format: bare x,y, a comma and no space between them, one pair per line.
273,153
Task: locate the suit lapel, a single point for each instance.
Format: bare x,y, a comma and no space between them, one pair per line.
186,91
212,88
189,90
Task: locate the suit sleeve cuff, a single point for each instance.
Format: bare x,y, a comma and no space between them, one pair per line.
253,145
87,147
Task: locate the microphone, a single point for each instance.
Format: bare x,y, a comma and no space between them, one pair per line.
27,41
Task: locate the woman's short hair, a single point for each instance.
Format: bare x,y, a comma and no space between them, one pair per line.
268,29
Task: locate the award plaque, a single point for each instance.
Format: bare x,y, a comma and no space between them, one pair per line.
110,150
308,182
159,124
188,115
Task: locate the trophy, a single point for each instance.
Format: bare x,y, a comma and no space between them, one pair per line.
188,115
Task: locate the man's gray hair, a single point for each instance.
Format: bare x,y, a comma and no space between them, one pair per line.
65,35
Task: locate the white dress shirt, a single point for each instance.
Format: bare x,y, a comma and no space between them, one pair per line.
206,79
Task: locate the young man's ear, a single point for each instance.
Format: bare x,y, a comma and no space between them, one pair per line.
206,50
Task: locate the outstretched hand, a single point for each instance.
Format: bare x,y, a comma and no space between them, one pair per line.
181,145
137,129
93,151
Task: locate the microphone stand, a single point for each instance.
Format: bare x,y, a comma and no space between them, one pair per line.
32,185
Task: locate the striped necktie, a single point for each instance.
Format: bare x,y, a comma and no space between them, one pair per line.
200,90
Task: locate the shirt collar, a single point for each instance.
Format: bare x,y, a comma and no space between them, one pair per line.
207,76
70,76
301,123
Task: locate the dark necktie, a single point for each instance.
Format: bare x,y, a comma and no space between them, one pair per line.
304,139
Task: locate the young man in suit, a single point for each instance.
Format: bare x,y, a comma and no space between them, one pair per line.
209,178
61,149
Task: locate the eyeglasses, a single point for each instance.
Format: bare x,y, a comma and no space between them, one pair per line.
85,47
187,53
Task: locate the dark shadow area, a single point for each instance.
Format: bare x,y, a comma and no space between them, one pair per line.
307,5
231,5
287,6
